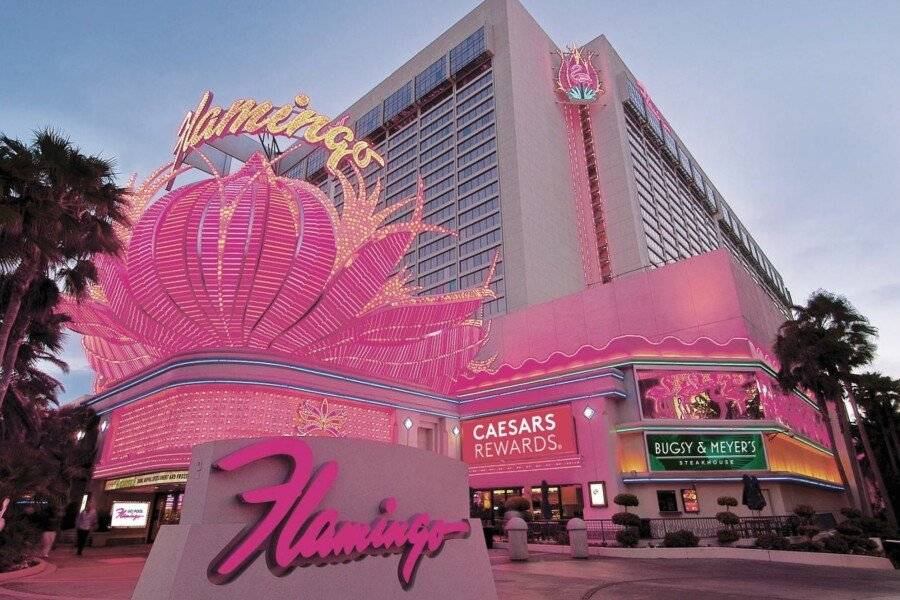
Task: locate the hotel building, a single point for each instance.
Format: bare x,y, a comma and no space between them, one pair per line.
630,314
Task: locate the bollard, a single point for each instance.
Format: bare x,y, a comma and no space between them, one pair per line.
517,532
578,538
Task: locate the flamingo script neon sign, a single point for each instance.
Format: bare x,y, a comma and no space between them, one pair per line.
294,533
206,123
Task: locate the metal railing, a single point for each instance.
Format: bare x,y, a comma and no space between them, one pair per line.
600,531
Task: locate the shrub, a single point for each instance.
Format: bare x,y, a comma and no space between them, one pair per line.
626,500
808,530
728,501
681,539
628,537
518,503
850,529
18,540
808,546
727,536
773,541
728,518
851,513
626,519
836,544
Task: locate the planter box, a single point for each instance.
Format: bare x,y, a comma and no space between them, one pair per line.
781,556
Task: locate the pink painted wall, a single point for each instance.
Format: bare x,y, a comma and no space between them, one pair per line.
705,296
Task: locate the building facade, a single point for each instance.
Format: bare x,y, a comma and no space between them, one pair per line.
588,312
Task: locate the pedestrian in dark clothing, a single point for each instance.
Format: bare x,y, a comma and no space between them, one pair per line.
84,523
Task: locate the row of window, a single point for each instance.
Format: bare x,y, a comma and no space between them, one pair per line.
685,163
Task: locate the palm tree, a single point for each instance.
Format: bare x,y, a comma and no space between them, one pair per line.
57,210
879,398
819,350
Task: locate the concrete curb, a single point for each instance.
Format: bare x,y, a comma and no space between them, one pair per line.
27,572
781,556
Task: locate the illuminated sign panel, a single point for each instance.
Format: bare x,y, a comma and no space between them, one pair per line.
130,514
690,501
702,452
529,434
146,479
727,395
207,123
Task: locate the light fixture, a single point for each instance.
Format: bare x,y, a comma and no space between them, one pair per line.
589,412
408,423
455,430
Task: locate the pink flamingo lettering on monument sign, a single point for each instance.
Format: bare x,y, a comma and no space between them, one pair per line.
298,533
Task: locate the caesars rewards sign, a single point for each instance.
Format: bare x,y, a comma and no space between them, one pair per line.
523,435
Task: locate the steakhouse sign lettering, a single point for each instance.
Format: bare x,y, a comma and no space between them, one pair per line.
706,452
381,520
523,435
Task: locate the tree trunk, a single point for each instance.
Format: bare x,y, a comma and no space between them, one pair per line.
895,439
857,492
873,460
862,489
8,366
842,471
889,448
23,278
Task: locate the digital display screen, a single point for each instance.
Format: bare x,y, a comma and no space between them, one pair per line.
130,514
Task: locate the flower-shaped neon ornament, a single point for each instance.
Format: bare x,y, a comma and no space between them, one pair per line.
577,78
253,261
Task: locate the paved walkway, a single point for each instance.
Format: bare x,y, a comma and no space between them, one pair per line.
111,574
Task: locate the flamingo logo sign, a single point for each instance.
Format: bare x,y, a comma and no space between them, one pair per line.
297,534
320,517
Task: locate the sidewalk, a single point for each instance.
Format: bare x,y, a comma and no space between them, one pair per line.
111,574
101,574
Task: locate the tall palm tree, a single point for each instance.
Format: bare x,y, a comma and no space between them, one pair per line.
879,398
818,350
57,210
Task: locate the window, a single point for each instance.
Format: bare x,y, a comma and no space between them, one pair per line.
468,50
477,182
667,500
475,167
475,125
316,161
368,122
474,86
397,101
429,79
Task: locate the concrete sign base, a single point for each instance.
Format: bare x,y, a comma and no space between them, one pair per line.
364,530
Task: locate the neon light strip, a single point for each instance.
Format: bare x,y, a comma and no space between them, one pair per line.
527,388
775,478
266,363
286,386
543,404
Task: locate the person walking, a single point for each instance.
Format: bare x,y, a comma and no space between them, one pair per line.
85,522
49,526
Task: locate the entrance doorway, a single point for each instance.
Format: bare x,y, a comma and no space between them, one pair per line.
565,502
166,511
490,505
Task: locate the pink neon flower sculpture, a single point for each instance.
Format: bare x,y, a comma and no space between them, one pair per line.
256,261
576,77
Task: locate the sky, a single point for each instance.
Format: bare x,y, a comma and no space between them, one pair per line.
791,108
